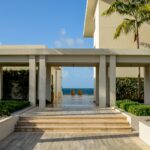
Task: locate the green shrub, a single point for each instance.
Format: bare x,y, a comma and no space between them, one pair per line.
140,110
133,107
126,104
4,112
7,107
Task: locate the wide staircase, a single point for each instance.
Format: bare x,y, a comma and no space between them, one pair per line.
80,123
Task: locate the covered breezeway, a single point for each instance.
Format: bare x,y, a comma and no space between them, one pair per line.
105,61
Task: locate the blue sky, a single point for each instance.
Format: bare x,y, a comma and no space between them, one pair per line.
52,23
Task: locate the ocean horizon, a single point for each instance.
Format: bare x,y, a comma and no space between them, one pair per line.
85,91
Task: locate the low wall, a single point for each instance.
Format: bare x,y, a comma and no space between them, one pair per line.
7,126
144,132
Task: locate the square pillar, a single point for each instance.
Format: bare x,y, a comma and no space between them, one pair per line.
147,85
32,80
107,87
97,85
1,82
42,82
48,83
112,83
102,82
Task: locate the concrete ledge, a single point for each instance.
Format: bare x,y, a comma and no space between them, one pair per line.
144,132
7,126
129,117
132,119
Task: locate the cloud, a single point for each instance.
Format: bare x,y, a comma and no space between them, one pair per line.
58,44
80,41
63,32
68,42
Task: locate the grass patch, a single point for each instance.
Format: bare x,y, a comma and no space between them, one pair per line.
135,108
8,107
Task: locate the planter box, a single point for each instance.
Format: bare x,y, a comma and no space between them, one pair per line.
144,132
7,126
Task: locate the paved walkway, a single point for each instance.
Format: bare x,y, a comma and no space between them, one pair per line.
47,141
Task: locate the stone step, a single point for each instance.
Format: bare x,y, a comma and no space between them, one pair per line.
71,121
74,117
106,123
71,124
73,129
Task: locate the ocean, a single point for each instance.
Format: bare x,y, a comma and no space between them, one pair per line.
85,91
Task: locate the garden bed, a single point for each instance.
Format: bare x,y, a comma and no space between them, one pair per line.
8,107
135,108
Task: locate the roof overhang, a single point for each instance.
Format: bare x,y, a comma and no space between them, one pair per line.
30,51
89,18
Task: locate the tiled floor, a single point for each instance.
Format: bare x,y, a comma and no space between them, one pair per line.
47,141
85,101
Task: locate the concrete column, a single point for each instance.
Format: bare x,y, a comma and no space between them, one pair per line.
112,81
48,83
102,82
42,81
32,80
147,85
1,82
107,87
97,85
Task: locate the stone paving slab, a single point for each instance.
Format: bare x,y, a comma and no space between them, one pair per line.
48,141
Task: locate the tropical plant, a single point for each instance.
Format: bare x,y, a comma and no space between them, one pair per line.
136,13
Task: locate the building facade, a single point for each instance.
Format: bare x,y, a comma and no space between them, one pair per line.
102,29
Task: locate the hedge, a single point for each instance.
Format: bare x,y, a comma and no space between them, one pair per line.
127,88
8,107
140,110
135,108
126,104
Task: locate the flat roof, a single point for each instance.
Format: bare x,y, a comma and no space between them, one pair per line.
29,51
89,18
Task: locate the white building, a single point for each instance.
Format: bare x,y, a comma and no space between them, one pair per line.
102,29
106,58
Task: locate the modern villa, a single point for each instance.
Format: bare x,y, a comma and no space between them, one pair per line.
110,58
102,29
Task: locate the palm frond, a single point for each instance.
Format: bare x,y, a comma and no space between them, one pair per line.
145,8
125,27
118,6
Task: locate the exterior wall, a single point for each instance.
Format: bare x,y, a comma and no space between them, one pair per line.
128,72
105,27
7,126
108,24
97,26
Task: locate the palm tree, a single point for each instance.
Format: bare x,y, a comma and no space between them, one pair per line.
138,12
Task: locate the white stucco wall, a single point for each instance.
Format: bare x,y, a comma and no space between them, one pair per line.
108,24
7,126
144,132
